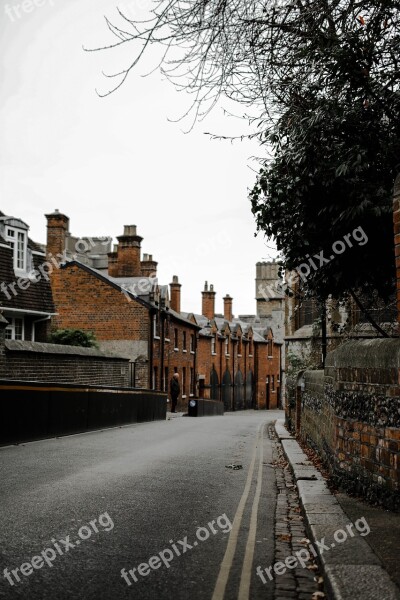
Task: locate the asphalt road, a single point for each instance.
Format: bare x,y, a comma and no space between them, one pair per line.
88,506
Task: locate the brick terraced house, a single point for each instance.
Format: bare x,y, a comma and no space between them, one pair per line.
84,283
238,363
121,302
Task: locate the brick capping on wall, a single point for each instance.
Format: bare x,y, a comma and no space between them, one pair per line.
43,348
36,361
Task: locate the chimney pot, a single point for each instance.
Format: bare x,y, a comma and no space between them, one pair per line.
130,230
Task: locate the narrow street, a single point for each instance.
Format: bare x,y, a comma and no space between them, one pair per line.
166,489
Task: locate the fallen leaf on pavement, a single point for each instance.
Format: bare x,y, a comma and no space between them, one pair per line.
284,537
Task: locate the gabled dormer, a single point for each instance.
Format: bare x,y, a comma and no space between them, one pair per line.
15,235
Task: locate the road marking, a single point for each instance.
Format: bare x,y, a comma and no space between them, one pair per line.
226,564
245,578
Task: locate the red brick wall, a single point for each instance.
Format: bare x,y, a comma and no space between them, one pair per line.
268,375
175,359
85,302
258,363
377,450
205,361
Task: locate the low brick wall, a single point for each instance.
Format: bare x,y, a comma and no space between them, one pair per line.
30,411
351,415
35,361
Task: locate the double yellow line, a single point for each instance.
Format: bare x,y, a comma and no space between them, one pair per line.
245,578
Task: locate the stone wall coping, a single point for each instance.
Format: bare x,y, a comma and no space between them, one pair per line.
382,353
45,348
314,375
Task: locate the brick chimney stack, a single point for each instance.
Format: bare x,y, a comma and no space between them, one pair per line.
396,219
113,262
228,316
208,301
57,229
175,288
128,257
148,266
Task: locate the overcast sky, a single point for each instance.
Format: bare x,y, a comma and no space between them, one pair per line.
119,160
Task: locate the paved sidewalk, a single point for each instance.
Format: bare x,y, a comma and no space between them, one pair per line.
174,415
300,580
354,561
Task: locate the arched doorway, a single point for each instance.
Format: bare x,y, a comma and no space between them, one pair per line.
249,390
214,385
239,392
227,390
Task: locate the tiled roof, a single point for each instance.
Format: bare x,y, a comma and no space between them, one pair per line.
37,297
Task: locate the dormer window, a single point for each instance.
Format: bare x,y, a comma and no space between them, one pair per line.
17,239
15,328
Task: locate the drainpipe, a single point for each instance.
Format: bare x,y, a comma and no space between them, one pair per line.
256,387
323,333
245,374
151,342
194,383
162,343
38,321
220,372
233,376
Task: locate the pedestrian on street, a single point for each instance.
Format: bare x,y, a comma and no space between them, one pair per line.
175,390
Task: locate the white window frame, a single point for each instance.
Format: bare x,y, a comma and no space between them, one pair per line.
12,238
184,341
227,346
192,343
11,327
